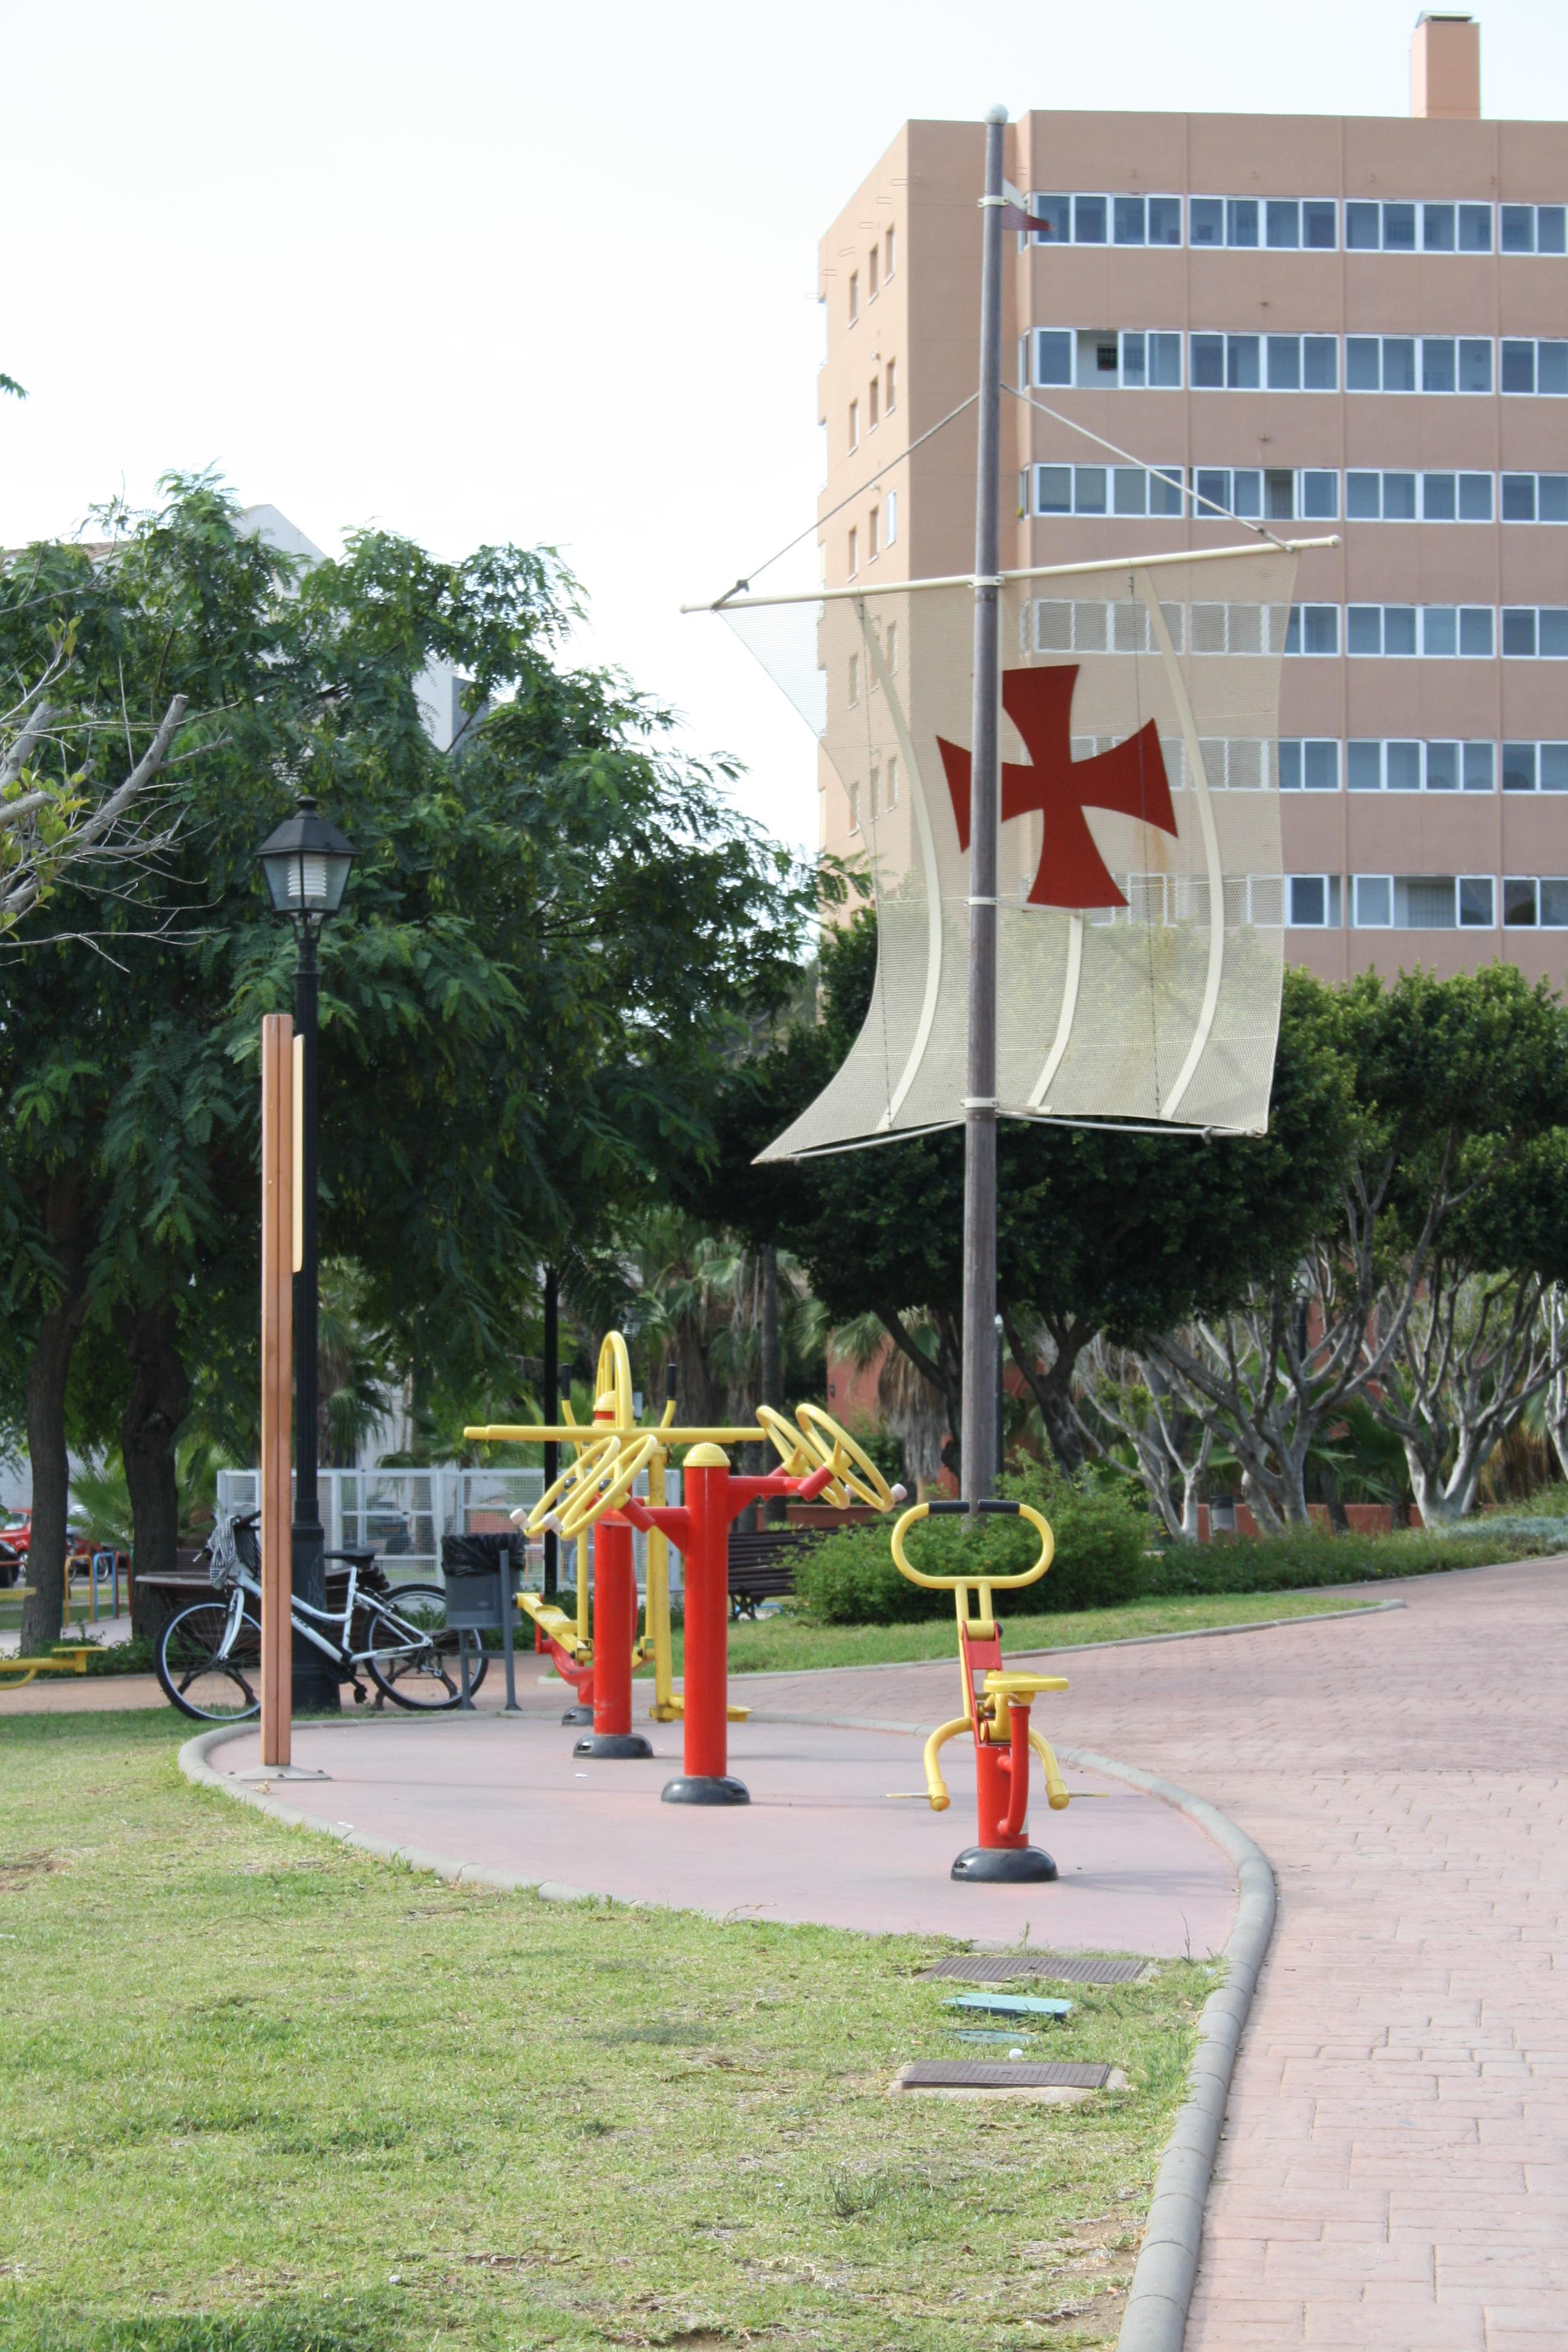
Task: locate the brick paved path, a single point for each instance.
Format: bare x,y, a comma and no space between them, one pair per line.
1393,2176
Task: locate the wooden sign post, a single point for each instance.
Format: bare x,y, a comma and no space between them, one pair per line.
278,1221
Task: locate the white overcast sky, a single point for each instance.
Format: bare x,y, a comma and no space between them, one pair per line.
493,269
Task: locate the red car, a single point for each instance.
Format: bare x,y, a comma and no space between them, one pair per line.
16,1536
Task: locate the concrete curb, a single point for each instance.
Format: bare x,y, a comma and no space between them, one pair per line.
1156,2317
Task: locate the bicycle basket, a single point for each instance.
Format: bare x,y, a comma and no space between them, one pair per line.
231,1548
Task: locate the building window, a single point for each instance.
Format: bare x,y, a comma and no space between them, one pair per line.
890,247
854,680
1108,489
1265,362
1531,229
1404,227
892,780
854,808
1534,366
1275,493
890,518
853,425
854,551
1309,766
892,385
873,534
1535,767
1372,901
1312,901
1284,222
872,259
873,392
854,295
892,649
1313,629
875,793
1532,902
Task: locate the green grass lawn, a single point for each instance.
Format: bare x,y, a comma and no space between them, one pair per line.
259,2093
775,1645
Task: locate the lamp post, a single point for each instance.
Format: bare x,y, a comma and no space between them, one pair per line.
305,864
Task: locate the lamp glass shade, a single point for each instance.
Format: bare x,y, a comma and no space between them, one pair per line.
305,863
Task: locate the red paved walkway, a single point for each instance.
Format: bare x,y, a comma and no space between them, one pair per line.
823,1839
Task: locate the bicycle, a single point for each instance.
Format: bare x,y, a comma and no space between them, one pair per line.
208,1658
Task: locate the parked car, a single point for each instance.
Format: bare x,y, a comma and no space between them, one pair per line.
15,1542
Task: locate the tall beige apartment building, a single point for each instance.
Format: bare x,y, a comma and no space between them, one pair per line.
1327,324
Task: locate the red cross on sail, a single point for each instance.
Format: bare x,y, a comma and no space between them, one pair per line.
1129,781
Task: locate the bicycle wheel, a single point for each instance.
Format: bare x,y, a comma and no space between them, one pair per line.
414,1657
200,1682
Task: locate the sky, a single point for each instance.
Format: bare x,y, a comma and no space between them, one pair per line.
479,272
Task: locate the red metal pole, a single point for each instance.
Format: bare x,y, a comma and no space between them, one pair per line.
705,1491
614,1633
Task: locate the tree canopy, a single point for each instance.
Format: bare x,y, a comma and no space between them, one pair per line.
555,931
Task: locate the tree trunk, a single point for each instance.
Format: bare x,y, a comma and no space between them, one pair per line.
1339,1518
48,1369
155,1413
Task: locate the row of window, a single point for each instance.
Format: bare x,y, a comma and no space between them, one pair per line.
881,399
1430,632
1389,632
1426,902
1290,223
1283,494
1141,360
881,796
880,529
1312,764
881,262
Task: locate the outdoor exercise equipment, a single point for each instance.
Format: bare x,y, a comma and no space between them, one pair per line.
995,1709
594,1494
17,1672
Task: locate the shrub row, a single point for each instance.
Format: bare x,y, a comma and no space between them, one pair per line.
1106,1554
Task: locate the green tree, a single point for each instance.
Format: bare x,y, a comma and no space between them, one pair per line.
553,931
1421,1291
1112,1233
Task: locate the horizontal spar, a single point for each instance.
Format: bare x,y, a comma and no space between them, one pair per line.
591,1433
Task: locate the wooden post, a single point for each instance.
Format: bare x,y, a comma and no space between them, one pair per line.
276,1387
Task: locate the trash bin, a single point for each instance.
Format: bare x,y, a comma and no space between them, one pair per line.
475,1571
480,1573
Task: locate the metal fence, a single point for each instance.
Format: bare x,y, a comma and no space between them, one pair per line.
402,1514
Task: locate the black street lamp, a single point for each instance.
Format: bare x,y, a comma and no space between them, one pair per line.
306,866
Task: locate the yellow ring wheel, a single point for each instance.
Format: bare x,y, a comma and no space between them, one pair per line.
591,1462
918,1511
799,1458
613,1381
836,1447
603,1493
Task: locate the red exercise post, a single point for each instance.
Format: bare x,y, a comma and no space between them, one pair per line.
699,1530
615,1639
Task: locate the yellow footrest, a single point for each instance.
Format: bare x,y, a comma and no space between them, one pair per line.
1011,1686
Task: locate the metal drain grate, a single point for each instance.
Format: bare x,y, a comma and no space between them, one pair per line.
1014,2074
1062,1968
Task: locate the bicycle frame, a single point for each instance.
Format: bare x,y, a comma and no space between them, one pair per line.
339,1651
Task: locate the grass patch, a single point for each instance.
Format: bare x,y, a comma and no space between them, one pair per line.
259,2093
784,1643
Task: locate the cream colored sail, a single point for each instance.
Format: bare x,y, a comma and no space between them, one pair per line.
1141,895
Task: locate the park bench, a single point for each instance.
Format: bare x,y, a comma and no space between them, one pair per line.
762,1565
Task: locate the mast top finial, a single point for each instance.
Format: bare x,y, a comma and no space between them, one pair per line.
995,114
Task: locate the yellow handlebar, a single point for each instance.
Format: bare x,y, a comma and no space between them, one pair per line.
953,1583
